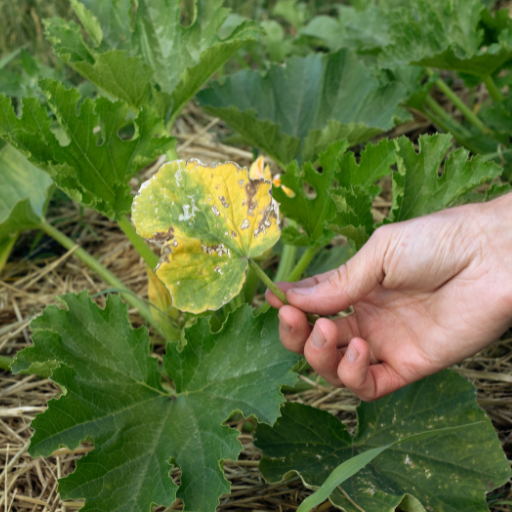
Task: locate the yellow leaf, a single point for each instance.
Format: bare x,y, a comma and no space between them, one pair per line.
209,220
258,170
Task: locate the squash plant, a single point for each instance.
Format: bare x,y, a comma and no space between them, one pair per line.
214,225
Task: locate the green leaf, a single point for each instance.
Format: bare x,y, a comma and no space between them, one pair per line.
418,189
310,213
210,220
148,47
112,395
298,109
443,34
354,219
94,168
24,193
498,116
329,259
451,472
375,162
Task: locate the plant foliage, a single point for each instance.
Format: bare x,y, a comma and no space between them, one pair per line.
144,53
112,395
297,110
24,193
211,219
92,166
451,472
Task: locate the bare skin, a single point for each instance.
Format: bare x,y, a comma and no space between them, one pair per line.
427,293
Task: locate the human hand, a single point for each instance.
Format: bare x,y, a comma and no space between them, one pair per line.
427,293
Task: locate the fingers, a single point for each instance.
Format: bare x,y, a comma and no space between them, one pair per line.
294,329
368,382
272,299
322,353
334,291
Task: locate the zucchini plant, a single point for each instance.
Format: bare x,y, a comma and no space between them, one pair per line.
214,225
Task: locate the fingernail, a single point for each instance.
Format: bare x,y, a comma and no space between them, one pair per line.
317,338
303,291
284,326
351,354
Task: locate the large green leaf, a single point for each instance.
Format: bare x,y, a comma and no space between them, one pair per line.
24,192
112,395
211,220
448,473
444,34
134,50
310,213
95,166
298,109
417,187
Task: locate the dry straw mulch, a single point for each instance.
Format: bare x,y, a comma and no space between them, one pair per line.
29,283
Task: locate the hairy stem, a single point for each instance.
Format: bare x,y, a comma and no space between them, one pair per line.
449,129
250,285
440,112
267,281
5,363
287,262
171,154
495,93
149,257
468,113
302,264
103,272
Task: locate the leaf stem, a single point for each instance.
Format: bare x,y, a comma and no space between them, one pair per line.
5,363
149,257
250,285
302,264
494,92
102,271
449,129
468,113
447,119
267,281
287,262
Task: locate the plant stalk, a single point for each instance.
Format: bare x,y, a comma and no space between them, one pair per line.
287,262
492,88
149,257
440,112
103,272
267,281
5,363
448,129
468,113
302,264
250,285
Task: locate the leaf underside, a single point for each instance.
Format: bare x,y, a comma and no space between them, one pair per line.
449,473
24,192
112,395
210,220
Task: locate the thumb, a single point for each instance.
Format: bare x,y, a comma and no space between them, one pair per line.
335,291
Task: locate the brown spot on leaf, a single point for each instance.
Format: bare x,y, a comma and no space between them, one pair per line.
252,189
164,236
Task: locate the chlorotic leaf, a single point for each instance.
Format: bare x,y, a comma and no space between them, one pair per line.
112,395
298,109
210,220
450,472
354,219
417,187
24,193
148,46
95,166
310,213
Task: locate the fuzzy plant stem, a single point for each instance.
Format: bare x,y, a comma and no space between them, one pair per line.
250,285
103,272
302,264
440,112
287,262
468,113
267,281
5,363
495,93
149,257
